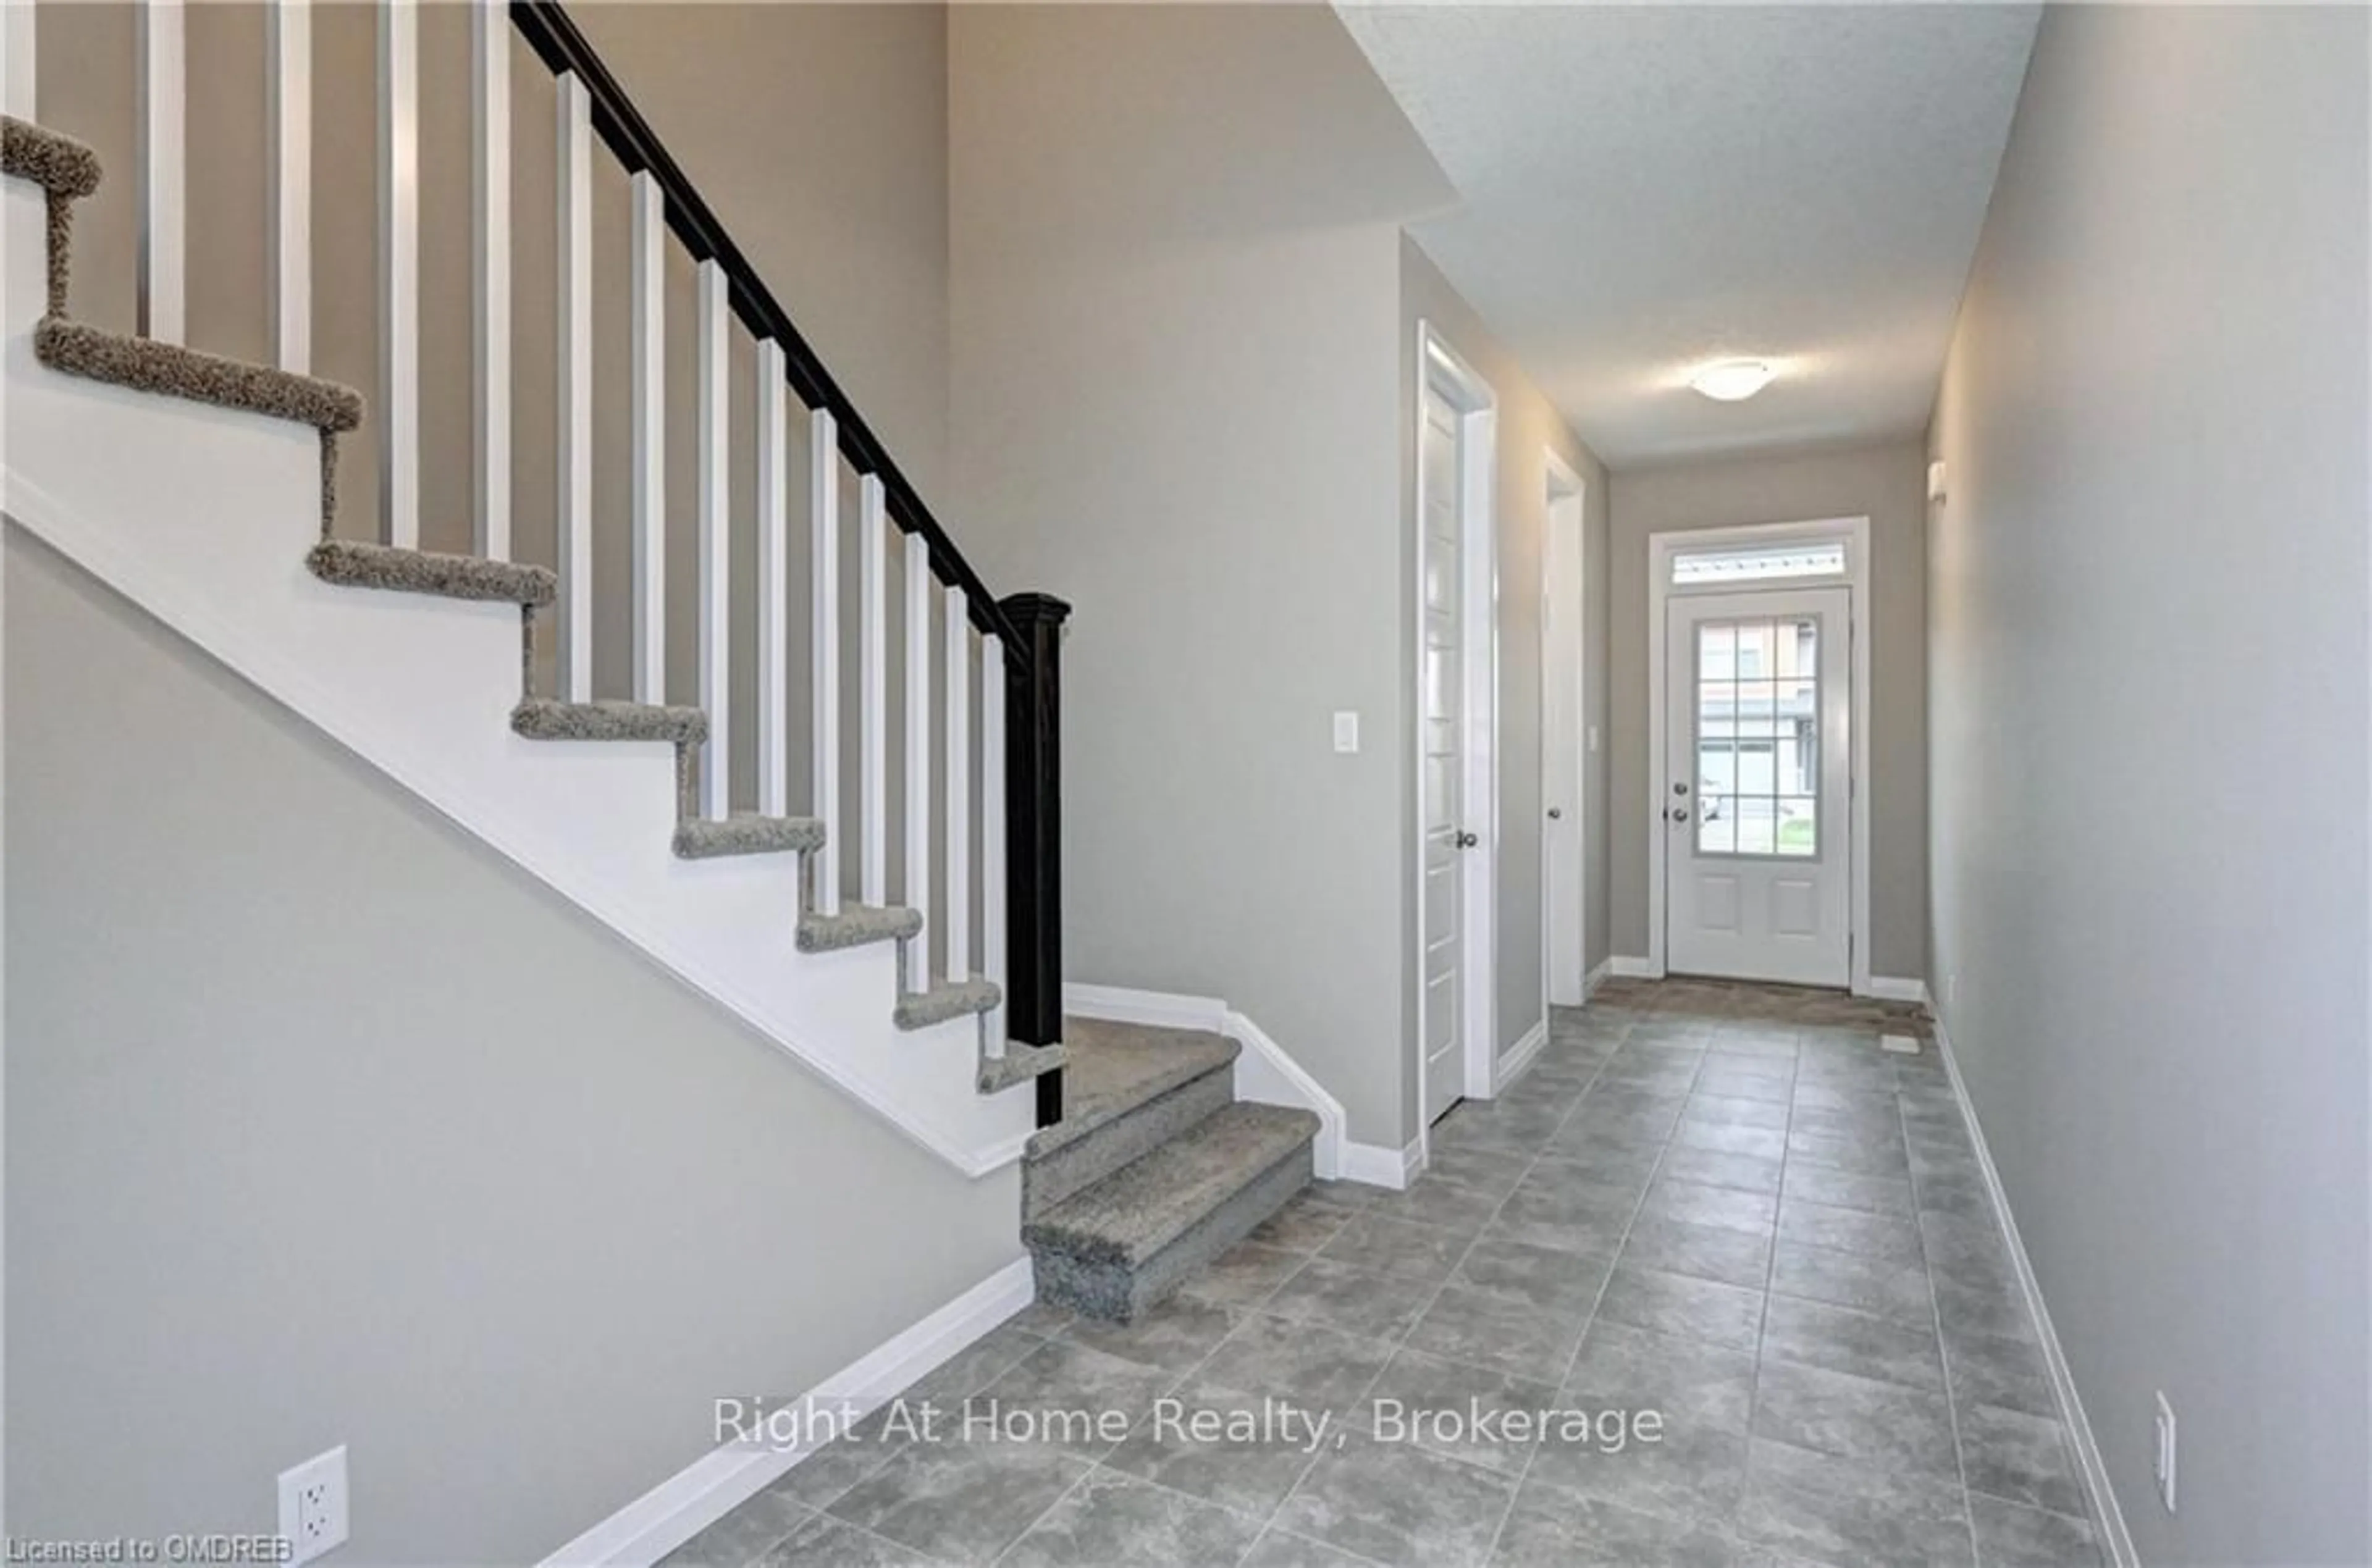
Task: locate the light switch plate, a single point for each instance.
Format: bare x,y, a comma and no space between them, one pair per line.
1346,732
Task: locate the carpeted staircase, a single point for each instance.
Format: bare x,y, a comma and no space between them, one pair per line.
67,171
1153,1169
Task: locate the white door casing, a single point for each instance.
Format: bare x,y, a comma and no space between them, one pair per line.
1440,699
1564,966
1456,694
1847,540
1756,838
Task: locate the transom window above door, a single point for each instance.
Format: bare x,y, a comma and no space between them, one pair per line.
1723,567
1758,706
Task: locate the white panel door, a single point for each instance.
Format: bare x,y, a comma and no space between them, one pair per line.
1756,817
1440,714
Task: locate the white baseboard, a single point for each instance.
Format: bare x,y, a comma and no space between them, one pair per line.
1378,1165
1898,988
2106,1513
1517,1058
1265,1073
1634,969
1596,977
720,1480
1162,1009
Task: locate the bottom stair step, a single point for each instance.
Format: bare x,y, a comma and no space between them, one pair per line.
1126,1242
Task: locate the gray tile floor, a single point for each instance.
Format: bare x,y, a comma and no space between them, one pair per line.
1722,1203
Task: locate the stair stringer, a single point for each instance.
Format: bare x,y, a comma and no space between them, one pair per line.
202,516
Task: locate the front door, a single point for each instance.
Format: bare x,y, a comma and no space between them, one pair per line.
1441,713
1755,813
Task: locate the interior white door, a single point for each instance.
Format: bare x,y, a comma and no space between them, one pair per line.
1755,813
1441,714
1560,743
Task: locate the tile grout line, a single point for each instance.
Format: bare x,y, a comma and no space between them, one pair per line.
1614,1259
1590,1321
1266,1521
1401,1341
1935,1312
1769,1281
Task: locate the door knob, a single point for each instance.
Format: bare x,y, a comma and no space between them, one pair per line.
1556,814
1681,815
1467,840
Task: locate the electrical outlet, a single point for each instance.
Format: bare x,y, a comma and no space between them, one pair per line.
313,1506
2165,1467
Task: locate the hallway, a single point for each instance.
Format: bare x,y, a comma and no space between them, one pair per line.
1723,1202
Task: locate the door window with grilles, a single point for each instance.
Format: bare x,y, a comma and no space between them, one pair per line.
1758,683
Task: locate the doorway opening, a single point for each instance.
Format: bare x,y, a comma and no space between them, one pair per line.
1454,561
1757,739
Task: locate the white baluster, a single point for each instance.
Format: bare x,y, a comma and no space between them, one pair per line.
16,77
773,584
715,590
823,564
992,833
399,260
490,192
918,756
873,689
159,33
958,946
288,38
575,424
650,440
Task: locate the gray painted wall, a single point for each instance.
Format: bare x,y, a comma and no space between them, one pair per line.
1886,483
325,1126
1195,248
1177,404
1528,426
2148,700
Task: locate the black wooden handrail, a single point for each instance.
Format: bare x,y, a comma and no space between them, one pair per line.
564,51
1033,770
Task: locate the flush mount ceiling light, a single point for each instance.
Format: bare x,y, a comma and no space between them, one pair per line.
1732,381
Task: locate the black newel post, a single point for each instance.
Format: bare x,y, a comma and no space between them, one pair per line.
1033,833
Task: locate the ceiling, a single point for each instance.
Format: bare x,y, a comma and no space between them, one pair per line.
1644,188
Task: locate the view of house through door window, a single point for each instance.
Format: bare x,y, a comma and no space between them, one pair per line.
1757,725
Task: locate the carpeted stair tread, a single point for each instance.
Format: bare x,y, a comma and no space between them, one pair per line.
146,365
747,832
1116,1067
351,564
544,718
858,925
58,164
955,999
1019,1065
1132,1214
